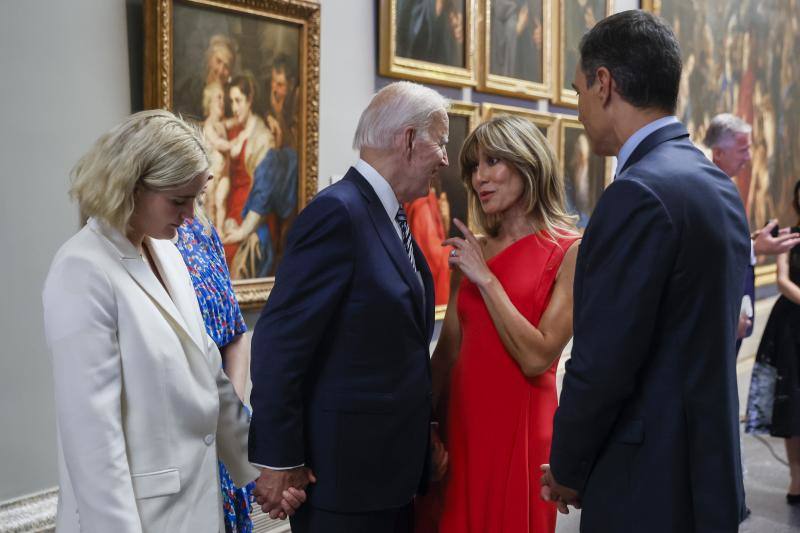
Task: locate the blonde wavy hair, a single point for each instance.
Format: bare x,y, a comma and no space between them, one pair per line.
153,149
519,143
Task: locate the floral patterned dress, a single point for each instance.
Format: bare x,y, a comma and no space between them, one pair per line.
204,256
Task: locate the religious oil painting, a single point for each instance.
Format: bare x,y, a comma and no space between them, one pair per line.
575,18
428,40
740,57
247,72
517,48
585,174
430,218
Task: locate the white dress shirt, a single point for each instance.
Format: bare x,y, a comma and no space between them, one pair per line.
640,135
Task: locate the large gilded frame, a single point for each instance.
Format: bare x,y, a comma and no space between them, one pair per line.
765,274
544,120
158,90
390,64
494,83
563,95
570,121
472,113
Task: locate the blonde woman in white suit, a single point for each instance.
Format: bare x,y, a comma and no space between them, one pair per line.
143,407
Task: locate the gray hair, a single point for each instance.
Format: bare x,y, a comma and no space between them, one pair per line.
153,149
394,108
722,129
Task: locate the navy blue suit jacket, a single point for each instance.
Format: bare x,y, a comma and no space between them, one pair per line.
340,356
647,429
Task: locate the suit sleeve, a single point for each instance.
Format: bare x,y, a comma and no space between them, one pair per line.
232,427
309,287
81,329
624,263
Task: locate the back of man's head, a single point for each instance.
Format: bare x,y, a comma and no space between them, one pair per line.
723,129
642,54
394,108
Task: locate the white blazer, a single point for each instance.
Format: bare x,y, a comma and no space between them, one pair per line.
142,405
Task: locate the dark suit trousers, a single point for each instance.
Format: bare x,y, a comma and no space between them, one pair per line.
309,519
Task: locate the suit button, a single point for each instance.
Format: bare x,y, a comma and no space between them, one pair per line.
209,440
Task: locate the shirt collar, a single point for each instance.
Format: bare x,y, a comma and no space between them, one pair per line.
640,135
380,186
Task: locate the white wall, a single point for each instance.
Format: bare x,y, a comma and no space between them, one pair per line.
347,79
65,80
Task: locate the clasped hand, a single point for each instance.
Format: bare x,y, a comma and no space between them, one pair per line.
553,492
281,492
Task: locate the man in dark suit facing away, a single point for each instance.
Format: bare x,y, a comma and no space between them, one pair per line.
646,437
340,357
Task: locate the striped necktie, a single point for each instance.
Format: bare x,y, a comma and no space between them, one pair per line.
402,221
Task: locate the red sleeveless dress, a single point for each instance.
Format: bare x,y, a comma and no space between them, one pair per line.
500,423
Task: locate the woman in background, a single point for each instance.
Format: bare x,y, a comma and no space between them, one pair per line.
773,405
204,256
142,404
494,367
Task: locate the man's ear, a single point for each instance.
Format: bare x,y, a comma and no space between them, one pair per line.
605,84
409,136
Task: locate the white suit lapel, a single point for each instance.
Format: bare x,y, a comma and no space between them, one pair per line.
144,277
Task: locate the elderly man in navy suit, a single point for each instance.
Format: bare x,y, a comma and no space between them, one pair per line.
646,437
340,367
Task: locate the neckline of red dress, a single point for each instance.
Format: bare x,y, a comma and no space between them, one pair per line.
512,245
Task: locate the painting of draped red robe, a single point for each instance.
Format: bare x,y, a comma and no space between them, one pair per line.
427,227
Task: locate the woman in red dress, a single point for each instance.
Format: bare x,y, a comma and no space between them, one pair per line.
494,367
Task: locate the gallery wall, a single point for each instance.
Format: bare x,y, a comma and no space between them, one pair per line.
71,71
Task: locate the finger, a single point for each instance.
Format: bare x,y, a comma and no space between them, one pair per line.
274,513
299,494
562,507
282,515
311,477
289,508
290,501
468,235
456,242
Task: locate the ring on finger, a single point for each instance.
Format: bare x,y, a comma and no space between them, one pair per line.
453,253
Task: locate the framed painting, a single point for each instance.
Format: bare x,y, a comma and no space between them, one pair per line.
429,41
575,18
247,71
544,121
516,48
740,57
585,174
430,218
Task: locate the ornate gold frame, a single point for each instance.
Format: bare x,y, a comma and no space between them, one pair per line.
570,121
494,83
158,70
540,118
567,97
654,6
472,112
424,71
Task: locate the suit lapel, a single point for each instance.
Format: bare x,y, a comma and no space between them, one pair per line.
144,277
391,242
427,283
180,289
661,135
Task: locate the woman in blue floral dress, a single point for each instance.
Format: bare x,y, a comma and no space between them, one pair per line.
204,256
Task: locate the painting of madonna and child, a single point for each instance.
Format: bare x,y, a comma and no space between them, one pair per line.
237,76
